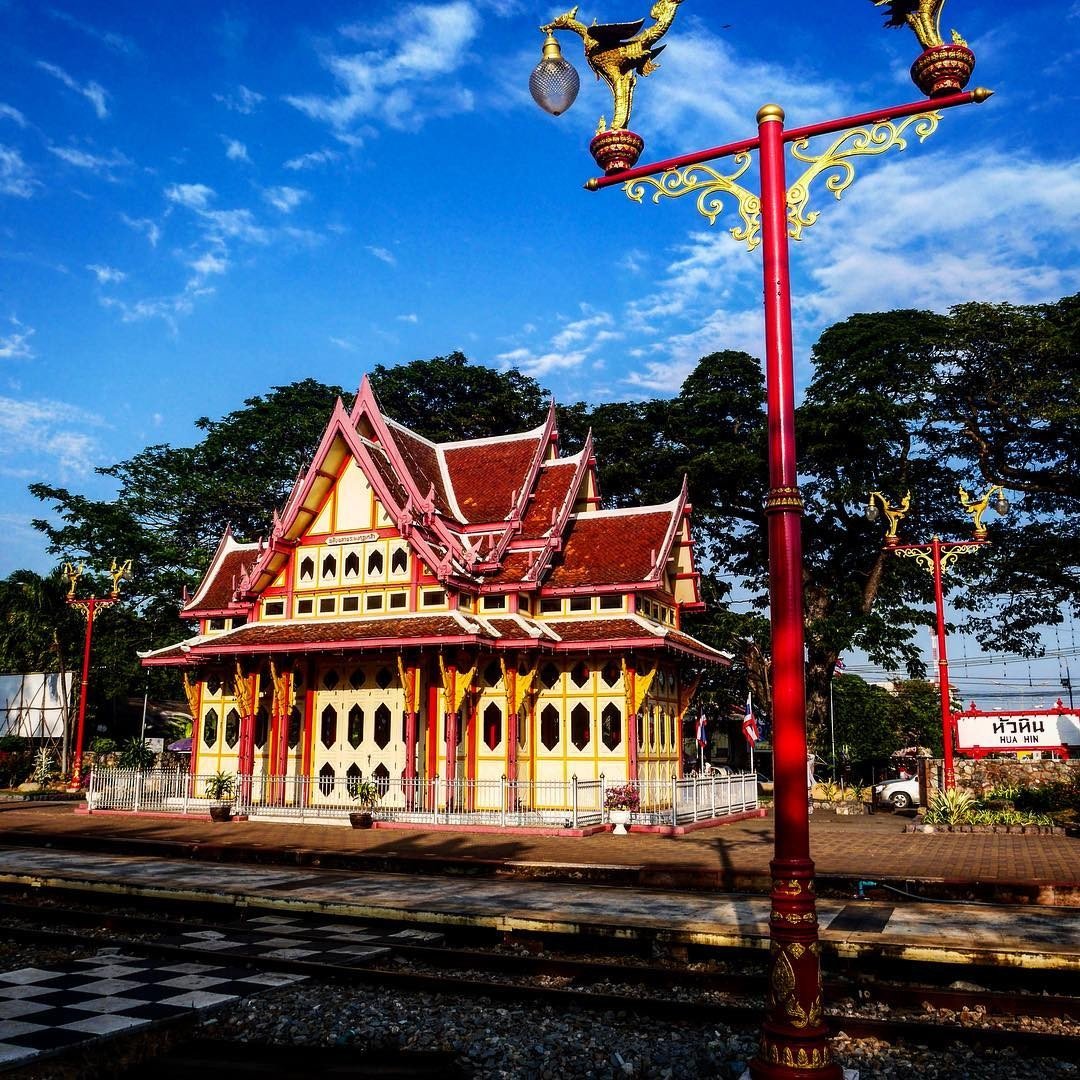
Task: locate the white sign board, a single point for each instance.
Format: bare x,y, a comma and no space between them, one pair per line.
1018,731
157,745
33,706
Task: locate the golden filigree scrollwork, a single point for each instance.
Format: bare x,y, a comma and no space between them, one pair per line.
710,188
859,142
954,551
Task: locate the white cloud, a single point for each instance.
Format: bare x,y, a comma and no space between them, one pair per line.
283,198
49,429
312,159
412,317
193,196
117,42
15,345
143,225
244,101
403,78
343,343
95,163
9,112
583,330
16,177
235,150
209,263
92,91
381,253
106,275
167,308
539,365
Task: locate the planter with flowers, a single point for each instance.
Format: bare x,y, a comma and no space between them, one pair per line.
621,802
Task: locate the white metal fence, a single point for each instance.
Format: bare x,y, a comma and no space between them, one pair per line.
503,802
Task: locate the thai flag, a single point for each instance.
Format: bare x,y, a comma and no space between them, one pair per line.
838,669
749,724
702,737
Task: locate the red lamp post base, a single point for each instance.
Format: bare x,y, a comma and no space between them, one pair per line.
943,69
616,150
794,1040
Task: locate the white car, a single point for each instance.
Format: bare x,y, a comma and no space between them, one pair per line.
901,794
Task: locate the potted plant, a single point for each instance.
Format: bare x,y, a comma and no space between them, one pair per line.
366,793
620,802
219,789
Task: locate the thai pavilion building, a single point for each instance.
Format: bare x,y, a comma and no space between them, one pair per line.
444,620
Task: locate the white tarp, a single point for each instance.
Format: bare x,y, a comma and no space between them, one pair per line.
33,706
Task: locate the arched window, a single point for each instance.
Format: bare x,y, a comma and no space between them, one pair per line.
353,776
382,726
307,568
326,778
352,565
356,726
328,727
375,562
296,724
549,727
329,567
232,728
210,727
611,726
399,561
493,722
580,726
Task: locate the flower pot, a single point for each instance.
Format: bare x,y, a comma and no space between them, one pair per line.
221,812
620,819
361,819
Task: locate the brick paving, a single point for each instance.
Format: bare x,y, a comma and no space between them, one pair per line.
733,855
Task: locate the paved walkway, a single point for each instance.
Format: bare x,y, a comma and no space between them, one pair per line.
1040,869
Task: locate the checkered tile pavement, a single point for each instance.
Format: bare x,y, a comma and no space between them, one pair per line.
45,1009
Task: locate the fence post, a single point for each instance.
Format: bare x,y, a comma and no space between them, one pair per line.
674,799
90,791
138,788
573,799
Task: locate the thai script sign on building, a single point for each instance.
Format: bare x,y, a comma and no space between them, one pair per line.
1042,728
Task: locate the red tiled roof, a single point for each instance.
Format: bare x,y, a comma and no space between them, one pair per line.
486,475
511,630
576,632
610,549
345,630
422,461
218,595
515,565
550,492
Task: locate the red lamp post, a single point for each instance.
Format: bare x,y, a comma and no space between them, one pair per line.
794,1037
936,557
89,607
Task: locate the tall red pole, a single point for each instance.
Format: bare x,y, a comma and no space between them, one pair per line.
943,668
794,1040
89,606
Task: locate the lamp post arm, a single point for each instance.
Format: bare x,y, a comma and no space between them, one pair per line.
808,131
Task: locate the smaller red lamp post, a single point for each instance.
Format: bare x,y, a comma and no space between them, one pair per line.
89,606
937,556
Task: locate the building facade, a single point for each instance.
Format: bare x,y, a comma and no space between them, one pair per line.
465,611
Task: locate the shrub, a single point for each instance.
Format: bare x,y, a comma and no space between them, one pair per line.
100,744
135,754
952,807
44,767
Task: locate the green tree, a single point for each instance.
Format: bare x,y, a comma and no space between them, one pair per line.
447,398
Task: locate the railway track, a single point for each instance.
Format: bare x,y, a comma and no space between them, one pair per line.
910,1003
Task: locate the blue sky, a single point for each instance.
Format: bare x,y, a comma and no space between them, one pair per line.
201,200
